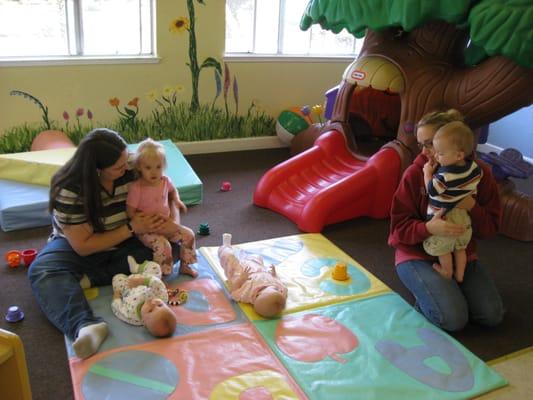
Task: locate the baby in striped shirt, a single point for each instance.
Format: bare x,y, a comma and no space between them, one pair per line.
451,177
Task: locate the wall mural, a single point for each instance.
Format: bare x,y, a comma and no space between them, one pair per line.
171,116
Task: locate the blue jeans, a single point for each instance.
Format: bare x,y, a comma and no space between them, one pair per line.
448,304
55,280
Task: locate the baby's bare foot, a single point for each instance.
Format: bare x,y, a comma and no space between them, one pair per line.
444,272
187,270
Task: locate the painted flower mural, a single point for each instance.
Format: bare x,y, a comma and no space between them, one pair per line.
168,114
180,25
129,114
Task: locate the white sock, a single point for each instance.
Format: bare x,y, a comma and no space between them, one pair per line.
85,282
89,339
226,239
134,267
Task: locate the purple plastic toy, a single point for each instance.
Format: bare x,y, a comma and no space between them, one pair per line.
14,314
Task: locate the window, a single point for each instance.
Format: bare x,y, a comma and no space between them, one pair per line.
272,27
48,29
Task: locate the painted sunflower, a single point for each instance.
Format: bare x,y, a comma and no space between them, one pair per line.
179,25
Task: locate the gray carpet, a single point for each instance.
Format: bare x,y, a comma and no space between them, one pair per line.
363,239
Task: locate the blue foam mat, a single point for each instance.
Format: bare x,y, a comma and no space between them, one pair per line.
23,205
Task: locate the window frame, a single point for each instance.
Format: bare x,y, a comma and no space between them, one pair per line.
285,57
74,33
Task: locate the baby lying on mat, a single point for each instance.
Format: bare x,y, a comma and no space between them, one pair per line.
250,281
141,299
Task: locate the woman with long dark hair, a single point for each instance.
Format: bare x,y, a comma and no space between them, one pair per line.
91,238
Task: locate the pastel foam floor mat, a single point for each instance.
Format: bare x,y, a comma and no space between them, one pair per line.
25,177
364,342
304,263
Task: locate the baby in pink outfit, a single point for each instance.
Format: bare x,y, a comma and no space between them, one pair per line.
154,193
250,281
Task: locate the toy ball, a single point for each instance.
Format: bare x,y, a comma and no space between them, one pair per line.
13,258
225,187
290,123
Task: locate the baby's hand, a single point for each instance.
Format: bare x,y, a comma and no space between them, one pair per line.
429,168
135,280
181,206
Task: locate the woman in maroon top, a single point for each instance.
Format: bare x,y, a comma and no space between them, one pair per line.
443,301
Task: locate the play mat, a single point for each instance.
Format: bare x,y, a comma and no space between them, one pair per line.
353,339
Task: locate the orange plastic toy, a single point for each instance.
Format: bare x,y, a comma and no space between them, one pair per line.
13,258
340,272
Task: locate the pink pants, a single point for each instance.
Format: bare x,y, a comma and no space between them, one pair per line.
162,250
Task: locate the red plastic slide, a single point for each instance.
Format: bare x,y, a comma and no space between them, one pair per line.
328,184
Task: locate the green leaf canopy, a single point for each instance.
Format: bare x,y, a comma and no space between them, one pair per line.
497,27
357,15
504,27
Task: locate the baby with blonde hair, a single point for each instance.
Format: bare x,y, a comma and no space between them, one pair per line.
154,193
450,178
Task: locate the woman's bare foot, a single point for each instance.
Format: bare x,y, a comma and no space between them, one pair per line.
187,270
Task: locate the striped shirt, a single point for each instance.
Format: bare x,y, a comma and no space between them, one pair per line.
69,206
451,184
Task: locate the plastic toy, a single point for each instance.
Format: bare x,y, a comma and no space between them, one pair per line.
13,258
177,296
225,187
510,162
339,272
328,184
14,314
203,229
402,56
28,256
290,123
517,218
14,379
51,139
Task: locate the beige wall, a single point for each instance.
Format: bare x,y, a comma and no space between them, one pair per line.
273,85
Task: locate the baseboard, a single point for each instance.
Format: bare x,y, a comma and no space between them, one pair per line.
487,148
225,145
270,142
